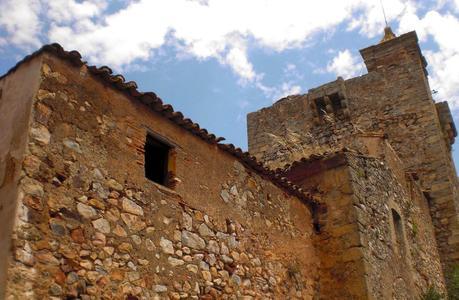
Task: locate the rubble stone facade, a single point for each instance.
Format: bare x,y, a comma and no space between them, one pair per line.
107,193
86,223
392,101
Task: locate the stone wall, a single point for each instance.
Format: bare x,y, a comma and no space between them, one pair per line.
406,112
394,98
360,251
15,106
396,267
90,225
338,242
287,132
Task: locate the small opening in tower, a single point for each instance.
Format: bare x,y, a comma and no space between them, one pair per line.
156,160
321,106
398,228
335,100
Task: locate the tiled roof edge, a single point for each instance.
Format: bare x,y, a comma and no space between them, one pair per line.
166,110
314,157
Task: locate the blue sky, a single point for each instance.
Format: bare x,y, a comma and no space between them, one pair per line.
217,60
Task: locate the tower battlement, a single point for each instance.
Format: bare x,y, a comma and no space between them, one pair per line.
394,99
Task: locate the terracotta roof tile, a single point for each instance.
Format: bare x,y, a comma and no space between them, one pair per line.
313,157
156,104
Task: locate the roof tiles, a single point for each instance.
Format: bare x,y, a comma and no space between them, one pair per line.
155,103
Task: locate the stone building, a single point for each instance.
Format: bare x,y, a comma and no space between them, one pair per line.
106,192
389,114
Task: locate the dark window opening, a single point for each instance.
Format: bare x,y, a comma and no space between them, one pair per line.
156,160
321,107
317,227
398,227
335,100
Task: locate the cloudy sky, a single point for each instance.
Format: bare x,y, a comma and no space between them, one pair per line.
217,60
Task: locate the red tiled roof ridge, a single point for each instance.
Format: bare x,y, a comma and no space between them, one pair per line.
156,104
320,156
314,157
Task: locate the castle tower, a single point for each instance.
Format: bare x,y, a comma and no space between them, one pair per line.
127,198
393,99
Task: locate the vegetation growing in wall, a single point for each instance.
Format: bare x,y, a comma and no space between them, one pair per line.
293,270
432,294
415,229
453,288
453,283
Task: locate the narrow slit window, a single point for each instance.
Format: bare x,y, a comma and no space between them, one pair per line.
321,107
156,160
336,102
398,227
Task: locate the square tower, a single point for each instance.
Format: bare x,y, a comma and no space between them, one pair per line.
394,99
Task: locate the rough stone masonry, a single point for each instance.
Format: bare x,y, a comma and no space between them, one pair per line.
107,193
393,100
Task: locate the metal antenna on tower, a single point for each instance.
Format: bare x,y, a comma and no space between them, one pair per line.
388,34
384,12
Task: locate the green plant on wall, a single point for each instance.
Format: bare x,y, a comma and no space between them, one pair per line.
453,287
415,229
432,294
293,270
453,283
361,173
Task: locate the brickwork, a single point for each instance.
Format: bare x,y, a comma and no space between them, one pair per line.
394,99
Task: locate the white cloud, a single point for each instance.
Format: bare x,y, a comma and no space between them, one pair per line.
371,20
206,29
214,29
117,39
346,65
237,59
292,72
67,11
220,29
277,92
290,68
288,88
444,78
444,61
20,20
227,30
